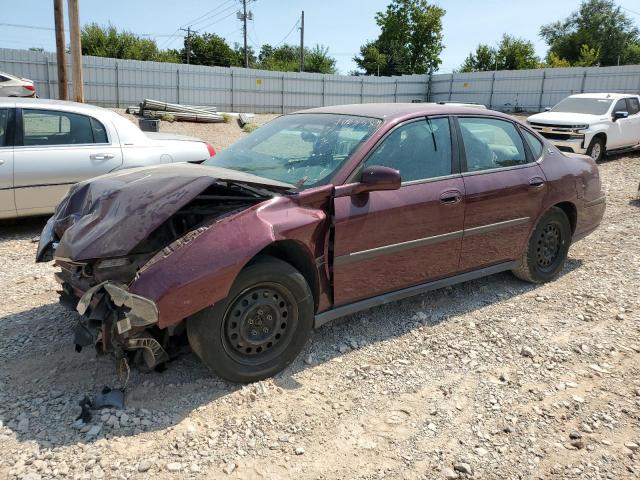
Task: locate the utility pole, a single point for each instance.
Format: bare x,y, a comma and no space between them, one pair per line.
244,16
244,22
58,13
76,51
188,30
302,42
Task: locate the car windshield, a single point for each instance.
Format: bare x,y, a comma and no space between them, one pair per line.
591,106
304,150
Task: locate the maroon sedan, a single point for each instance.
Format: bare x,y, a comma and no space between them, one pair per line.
316,215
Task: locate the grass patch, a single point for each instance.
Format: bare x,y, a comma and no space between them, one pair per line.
250,127
228,118
167,117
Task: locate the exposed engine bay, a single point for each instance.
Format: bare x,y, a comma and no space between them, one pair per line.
119,322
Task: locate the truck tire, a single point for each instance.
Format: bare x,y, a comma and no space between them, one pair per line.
547,248
260,327
596,149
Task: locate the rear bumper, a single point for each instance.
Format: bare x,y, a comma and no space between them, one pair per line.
590,217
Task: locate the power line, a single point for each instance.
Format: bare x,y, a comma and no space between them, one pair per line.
207,14
629,10
288,34
218,21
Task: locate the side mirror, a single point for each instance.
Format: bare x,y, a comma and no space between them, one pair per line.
377,177
372,179
617,115
547,109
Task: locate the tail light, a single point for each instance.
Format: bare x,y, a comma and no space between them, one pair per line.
31,88
211,150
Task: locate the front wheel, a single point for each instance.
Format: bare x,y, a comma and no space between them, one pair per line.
547,249
260,328
596,149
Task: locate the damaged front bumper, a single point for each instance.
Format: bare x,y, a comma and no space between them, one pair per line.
115,320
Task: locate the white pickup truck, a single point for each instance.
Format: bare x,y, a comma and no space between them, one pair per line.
593,123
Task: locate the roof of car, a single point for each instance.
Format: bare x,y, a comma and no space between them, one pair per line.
601,95
20,102
388,111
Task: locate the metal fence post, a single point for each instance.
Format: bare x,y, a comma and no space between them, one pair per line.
282,102
48,77
584,79
395,92
323,90
429,80
362,90
493,82
451,87
544,77
232,87
177,85
118,86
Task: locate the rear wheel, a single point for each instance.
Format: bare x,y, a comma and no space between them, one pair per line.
596,149
547,248
260,327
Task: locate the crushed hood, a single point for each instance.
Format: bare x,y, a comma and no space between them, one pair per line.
111,214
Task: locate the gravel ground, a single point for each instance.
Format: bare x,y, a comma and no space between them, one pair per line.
491,379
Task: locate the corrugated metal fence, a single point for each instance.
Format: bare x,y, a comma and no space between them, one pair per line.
119,83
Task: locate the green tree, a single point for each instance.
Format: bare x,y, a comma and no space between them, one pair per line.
286,58
109,42
482,60
589,57
410,40
516,54
511,53
318,60
601,25
554,61
212,50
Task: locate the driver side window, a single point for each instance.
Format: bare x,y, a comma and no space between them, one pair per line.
419,150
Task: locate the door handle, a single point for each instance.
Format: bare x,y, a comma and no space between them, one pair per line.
101,156
536,182
451,196
1,162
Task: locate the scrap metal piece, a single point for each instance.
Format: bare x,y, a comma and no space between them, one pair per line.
82,337
109,398
153,354
142,312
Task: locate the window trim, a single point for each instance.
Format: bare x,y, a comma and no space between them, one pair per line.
11,126
19,130
463,153
530,153
455,153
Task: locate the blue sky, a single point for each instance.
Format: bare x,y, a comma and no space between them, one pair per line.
342,25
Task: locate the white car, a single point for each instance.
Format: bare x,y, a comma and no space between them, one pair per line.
592,123
48,145
11,86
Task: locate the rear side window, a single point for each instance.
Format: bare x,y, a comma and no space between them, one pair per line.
633,105
4,126
535,145
43,127
3,78
99,132
491,143
419,150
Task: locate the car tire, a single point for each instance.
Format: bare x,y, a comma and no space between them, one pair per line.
547,248
596,148
260,327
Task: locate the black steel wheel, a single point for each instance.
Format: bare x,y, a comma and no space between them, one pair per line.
547,248
259,322
260,327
